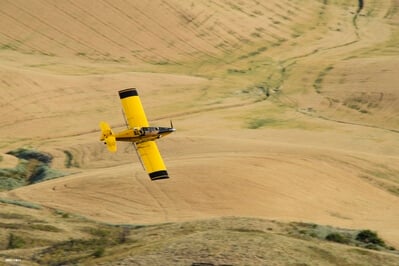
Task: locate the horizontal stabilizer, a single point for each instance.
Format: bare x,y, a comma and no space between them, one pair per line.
108,137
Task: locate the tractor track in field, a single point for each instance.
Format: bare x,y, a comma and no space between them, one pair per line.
157,196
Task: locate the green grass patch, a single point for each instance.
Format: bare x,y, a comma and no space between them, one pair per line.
283,123
262,122
21,203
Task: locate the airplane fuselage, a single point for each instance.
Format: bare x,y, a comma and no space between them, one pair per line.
138,135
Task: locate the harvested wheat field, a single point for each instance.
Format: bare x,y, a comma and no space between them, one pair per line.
287,114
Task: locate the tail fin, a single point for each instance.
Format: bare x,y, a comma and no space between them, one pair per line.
108,136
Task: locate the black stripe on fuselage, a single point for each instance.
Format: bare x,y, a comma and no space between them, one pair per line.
127,93
159,175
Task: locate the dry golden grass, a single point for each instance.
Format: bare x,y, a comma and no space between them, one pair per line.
284,110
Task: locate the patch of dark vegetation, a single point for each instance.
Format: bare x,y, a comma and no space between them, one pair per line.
67,252
363,238
360,7
15,241
33,167
371,239
20,240
75,250
28,154
363,101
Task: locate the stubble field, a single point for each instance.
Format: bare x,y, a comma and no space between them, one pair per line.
285,111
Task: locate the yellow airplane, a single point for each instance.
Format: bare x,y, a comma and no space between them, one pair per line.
139,133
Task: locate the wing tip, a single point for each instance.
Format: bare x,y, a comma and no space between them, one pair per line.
162,174
128,93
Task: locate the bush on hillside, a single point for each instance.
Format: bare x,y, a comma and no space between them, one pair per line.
370,237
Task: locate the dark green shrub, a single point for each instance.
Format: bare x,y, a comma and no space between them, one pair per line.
370,237
38,174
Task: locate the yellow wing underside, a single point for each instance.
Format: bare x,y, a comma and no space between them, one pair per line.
133,108
152,160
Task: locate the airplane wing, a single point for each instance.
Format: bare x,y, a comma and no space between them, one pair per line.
152,160
133,108
148,150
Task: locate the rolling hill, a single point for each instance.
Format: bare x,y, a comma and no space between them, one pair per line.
285,110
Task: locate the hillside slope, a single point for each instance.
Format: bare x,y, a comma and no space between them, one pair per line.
39,236
285,110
